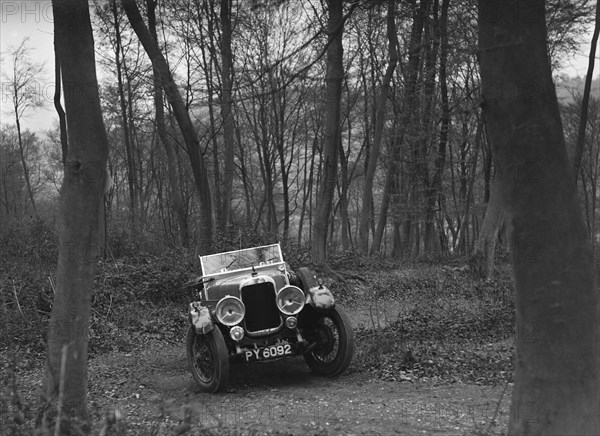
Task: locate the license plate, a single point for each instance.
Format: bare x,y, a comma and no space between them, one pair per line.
270,352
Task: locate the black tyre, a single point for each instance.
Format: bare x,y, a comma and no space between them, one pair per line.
208,359
335,344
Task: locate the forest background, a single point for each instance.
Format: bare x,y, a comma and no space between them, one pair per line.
414,180
403,187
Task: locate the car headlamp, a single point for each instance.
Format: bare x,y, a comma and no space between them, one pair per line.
291,322
236,333
230,310
290,300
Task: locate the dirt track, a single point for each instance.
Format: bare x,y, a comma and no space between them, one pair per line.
154,388
153,391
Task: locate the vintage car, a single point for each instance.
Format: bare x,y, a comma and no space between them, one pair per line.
252,307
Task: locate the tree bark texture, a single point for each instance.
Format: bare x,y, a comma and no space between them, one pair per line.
227,114
79,218
62,118
556,388
420,148
482,260
433,189
335,77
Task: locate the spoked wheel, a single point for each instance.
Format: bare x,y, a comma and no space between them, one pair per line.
335,344
208,359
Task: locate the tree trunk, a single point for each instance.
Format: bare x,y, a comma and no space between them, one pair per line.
586,97
131,178
482,261
285,180
463,232
279,109
174,185
373,156
343,187
24,162
206,225
335,77
62,120
79,219
433,190
209,64
556,388
307,185
389,189
420,149
227,115
405,123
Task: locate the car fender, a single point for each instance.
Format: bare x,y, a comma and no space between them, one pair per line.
200,318
320,297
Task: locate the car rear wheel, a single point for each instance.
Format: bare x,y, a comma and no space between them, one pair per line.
208,359
334,347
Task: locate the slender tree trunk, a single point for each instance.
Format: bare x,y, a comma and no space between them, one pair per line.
209,65
433,190
389,189
24,162
62,120
373,158
227,114
206,225
407,118
335,77
417,246
136,158
556,388
174,185
216,155
245,179
420,149
307,185
269,183
279,109
131,178
79,219
482,261
586,97
343,198
463,232
284,181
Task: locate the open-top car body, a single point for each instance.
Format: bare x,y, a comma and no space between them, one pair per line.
252,307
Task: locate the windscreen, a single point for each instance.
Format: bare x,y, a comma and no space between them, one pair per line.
240,259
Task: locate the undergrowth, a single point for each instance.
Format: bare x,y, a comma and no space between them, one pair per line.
448,321
450,328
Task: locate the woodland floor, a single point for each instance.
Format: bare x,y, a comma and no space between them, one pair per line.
434,354
152,388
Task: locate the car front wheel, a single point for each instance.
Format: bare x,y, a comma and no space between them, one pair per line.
334,347
208,359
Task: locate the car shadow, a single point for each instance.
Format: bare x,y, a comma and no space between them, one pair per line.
270,374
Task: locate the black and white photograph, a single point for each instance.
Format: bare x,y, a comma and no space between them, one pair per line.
299,217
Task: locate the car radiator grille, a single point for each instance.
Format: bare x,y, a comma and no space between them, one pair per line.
261,308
